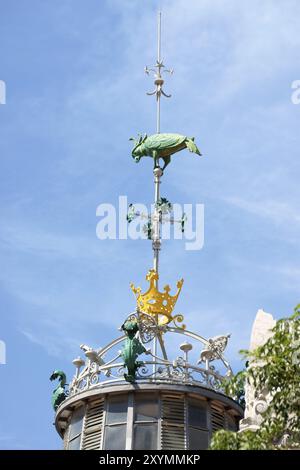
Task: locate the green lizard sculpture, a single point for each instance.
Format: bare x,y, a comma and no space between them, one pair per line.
162,146
59,393
131,350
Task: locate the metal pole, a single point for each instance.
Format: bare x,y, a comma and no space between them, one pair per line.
158,115
156,242
157,69
159,37
158,73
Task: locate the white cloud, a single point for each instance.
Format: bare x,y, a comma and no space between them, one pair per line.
278,212
36,241
288,275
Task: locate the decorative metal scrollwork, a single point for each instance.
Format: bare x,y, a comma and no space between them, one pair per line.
179,319
147,327
216,347
155,364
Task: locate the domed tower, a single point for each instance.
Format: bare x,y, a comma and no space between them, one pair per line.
158,385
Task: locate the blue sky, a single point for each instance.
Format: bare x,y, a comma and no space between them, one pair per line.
75,94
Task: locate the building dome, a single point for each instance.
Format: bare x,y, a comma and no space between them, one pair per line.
175,401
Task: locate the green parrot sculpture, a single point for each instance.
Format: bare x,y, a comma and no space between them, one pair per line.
162,146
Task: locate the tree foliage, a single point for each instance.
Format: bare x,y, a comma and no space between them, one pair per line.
274,366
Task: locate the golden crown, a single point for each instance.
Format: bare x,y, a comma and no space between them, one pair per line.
155,303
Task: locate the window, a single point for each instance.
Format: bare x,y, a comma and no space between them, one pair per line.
145,436
198,439
75,429
115,437
197,413
197,424
146,409
115,424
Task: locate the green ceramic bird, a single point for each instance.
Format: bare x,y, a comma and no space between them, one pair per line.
131,350
162,146
59,393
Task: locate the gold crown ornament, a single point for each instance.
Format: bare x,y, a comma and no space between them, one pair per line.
155,303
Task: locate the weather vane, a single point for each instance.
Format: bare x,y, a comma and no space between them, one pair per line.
159,147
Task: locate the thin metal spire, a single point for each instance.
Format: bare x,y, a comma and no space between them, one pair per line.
159,37
158,70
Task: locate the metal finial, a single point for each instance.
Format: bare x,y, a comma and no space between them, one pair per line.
158,69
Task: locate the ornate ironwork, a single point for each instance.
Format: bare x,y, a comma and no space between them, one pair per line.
107,367
215,348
